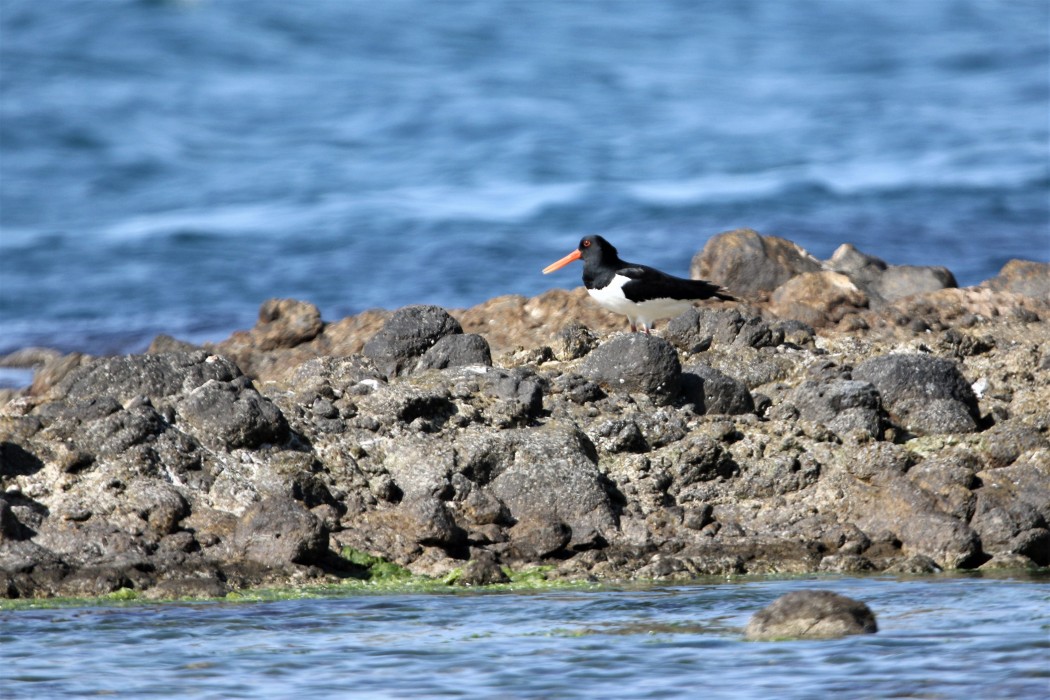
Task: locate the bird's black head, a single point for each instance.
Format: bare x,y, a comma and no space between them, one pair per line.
593,250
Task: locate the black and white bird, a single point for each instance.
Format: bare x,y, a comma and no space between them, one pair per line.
641,293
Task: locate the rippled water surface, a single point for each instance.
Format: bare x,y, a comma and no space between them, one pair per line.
939,638
169,165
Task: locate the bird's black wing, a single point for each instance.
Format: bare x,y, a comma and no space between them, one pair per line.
650,283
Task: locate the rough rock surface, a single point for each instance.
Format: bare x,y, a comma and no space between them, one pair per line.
923,394
907,435
811,615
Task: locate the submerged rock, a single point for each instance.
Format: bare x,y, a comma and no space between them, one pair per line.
811,615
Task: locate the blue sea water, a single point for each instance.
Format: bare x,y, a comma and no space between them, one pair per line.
939,639
167,166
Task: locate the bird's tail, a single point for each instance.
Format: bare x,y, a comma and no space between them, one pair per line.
710,290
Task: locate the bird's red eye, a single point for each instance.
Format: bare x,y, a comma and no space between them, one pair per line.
586,244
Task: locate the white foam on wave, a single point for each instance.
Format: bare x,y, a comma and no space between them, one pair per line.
933,171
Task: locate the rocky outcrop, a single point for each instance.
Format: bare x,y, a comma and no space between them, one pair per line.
909,435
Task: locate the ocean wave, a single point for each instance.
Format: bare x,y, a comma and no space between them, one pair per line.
842,179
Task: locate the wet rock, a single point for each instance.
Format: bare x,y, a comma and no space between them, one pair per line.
636,363
844,406
456,350
482,570
811,615
535,538
714,392
1027,277
227,415
923,394
276,532
188,587
749,264
407,335
818,299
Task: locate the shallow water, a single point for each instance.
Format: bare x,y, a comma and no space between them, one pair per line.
945,637
168,166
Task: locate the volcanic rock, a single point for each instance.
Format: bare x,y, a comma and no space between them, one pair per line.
923,394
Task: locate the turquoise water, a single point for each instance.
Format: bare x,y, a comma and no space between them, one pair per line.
939,638
169,165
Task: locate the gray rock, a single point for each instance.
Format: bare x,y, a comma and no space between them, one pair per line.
156,377
923,394
712,391
276,532
811,615
842,405
457,350
225,415
695,330
749,264
636,363
882,282
407,335
1027,277
548,473
1012,509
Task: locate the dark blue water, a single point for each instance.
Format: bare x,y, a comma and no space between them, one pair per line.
167,166
938,639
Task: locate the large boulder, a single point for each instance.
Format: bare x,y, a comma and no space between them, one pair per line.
750,264
811,615
546,476
922,393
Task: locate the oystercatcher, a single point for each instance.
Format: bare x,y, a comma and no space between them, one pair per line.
641,293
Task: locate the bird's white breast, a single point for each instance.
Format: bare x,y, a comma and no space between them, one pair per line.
612,298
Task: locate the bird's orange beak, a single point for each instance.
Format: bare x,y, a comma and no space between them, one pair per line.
574,255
